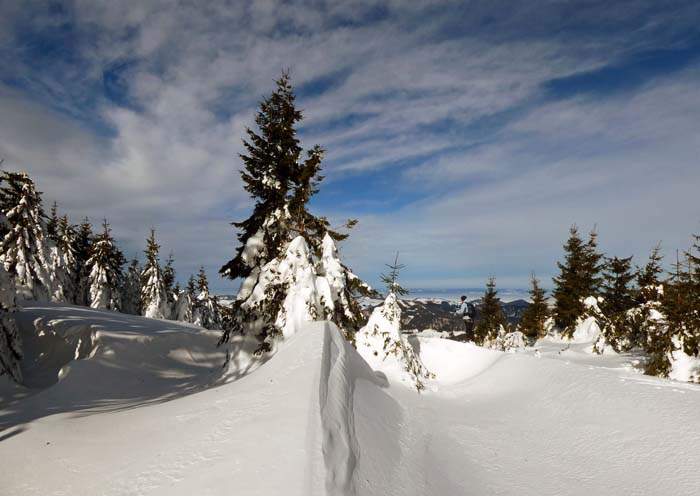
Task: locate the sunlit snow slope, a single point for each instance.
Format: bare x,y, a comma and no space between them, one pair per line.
144,412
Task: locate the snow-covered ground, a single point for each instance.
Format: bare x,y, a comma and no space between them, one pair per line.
145,411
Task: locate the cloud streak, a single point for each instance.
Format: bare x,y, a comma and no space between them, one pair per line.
441,127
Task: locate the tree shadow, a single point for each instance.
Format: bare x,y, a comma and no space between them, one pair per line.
132,362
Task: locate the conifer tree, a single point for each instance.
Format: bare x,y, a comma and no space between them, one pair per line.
82,249
52,224
617,324
381,343
534,318
169,283
648,278
64,259
578,279
281,183
184,311
341,305
105,272
10,343
391,280
492,323
25,248
206,312
131,289
154,302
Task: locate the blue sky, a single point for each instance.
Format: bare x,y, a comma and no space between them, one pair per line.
467,135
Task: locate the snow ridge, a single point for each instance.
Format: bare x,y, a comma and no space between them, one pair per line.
341,366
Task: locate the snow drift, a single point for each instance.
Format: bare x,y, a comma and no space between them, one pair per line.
145,413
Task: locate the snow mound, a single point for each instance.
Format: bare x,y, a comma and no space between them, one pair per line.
586,331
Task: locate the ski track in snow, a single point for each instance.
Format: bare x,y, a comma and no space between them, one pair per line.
317,420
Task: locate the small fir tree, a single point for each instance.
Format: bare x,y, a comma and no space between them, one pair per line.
105,272
648,278
64,258
52,224
184,311
169,283
534,319
578,279
131,289
492,323
381,343
83,250
206,312
618,327
154,303
391,280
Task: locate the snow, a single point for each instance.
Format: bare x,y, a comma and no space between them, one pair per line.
146,411
683,366
587,331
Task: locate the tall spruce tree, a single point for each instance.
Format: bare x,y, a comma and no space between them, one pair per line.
578,279
492,322
154,302
534,318
105,272
281,183
25,250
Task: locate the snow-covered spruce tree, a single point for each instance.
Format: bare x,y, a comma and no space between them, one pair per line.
64,261
82,249
492,325
131,289
52,224
105,272
10,344
343,309
579,278
25,250
533,323
184,311
169,284
615,316
673,348
281,183
154,300
207,312
381,343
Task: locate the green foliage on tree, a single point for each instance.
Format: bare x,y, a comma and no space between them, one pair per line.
619,326
579,278
391,279
281,181
491,317
533,319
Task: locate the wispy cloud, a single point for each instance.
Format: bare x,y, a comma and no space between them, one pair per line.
474,122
